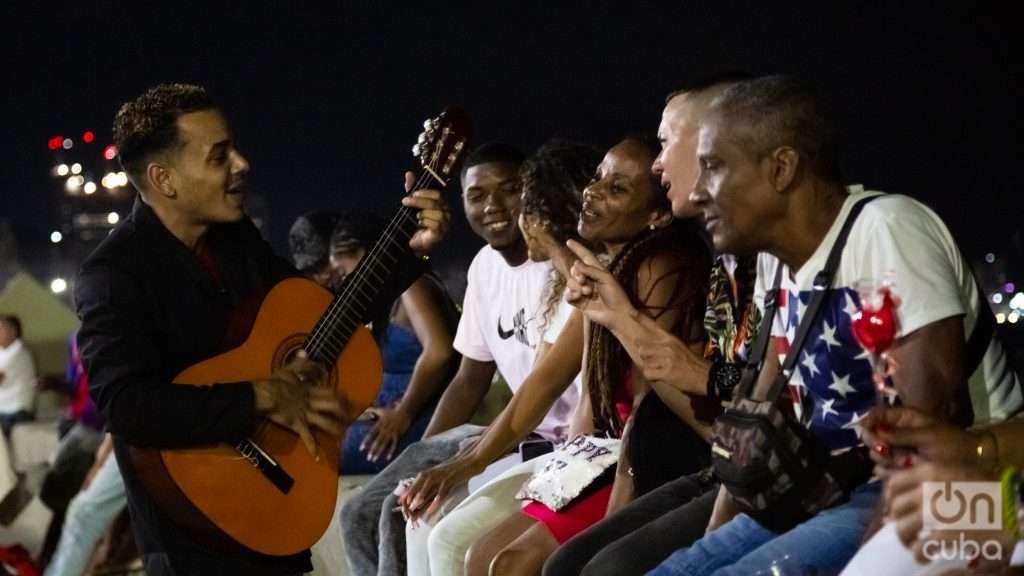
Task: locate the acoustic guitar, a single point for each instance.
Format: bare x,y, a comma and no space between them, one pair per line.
267,493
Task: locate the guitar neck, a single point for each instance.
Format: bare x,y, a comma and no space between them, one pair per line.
361,289
439,150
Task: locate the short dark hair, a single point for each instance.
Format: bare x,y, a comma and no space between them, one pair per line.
356,229
707,81
782,110
309,239
553,181
147,125
499,152
14,322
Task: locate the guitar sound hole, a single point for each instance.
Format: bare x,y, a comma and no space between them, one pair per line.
288,349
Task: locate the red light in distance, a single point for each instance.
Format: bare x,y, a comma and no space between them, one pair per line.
88,137
55,143
110,152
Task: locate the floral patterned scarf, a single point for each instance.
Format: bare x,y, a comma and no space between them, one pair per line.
731,297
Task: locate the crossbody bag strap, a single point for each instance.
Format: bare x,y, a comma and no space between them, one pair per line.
822,287
984,327
974,352
757,352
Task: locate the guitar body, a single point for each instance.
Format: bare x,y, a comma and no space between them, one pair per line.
229,490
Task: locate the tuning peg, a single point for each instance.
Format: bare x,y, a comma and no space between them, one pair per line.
422,138
416,150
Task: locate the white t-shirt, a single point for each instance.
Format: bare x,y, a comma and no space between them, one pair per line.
501,318
894,238
17,389
557,321
570,397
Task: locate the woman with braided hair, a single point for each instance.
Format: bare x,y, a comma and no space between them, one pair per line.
664,265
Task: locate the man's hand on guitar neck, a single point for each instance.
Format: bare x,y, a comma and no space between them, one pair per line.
297,398
433,216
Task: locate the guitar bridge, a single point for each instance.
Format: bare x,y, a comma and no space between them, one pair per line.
269,467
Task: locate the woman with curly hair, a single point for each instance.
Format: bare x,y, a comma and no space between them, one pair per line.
663,264
552,180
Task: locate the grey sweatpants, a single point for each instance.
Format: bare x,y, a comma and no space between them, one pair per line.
373,532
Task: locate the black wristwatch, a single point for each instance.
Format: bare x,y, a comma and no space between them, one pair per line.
723,379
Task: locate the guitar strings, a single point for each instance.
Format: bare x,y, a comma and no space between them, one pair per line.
321,334
317,341
371,258
322,338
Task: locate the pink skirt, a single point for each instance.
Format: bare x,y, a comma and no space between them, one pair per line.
574,518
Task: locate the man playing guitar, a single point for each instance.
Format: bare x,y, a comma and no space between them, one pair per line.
179,281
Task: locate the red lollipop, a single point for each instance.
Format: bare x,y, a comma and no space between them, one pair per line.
874,327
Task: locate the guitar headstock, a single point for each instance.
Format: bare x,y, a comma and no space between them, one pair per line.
442,144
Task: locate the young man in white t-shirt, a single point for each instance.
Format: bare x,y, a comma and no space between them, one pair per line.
770,183
499,330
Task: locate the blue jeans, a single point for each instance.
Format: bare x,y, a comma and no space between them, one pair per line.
354,459
741,547
89,515
8,420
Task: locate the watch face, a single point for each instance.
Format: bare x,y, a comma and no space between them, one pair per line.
729,374
726,377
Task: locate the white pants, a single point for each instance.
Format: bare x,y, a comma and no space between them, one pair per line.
438,547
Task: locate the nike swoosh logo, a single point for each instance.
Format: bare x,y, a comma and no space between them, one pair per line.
505,334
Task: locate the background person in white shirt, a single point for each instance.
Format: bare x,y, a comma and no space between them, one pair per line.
17,375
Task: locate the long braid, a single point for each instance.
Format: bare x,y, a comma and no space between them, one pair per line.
608,361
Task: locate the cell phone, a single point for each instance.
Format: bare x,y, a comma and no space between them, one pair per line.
531,449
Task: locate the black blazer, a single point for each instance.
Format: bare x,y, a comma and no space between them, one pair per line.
149,309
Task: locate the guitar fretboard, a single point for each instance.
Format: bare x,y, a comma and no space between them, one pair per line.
438,149
360,289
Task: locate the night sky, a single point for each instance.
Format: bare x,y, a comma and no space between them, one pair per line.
326,103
